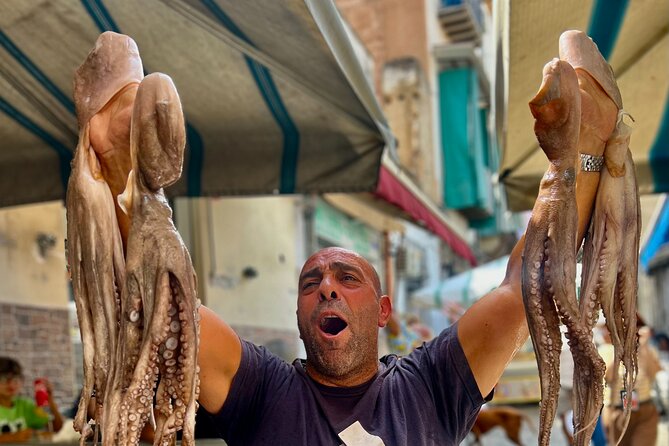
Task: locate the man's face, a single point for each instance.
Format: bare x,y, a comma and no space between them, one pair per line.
339,311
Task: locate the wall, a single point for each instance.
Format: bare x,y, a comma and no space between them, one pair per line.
28,278
39,339
250,255
406,103
390,29
34,319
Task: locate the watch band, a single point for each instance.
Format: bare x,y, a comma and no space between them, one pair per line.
591,163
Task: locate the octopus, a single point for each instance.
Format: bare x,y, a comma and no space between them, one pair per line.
549,257
578,109
610,258
126,257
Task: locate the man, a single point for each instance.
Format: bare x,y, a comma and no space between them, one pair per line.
342,393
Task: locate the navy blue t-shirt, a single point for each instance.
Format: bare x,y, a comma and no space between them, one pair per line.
429,397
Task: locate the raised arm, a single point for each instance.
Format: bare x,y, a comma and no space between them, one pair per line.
219,358
494,328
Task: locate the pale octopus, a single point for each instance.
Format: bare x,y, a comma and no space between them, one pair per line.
134,284
579,109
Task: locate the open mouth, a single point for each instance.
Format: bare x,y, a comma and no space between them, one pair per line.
332,325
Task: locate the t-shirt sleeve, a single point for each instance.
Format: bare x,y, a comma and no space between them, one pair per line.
259,371
452,384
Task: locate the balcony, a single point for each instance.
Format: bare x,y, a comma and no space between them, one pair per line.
462,20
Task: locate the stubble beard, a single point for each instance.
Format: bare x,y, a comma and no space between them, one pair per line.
343,362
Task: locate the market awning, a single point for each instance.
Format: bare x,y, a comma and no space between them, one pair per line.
397,188
274,97
639,54
658,234
465,288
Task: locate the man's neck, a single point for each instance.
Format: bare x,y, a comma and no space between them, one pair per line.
350,380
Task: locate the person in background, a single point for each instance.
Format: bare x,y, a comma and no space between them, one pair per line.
662,344
566,397
403,336
19,416
642,428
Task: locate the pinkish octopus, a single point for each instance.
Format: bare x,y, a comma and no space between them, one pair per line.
133,280
578,109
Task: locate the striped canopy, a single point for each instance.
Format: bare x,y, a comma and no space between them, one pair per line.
274,97
633,35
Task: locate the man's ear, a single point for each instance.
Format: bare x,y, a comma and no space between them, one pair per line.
386,309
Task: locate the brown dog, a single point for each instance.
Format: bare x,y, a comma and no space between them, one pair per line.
506,417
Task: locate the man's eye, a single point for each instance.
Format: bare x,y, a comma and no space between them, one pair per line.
349,277
308,285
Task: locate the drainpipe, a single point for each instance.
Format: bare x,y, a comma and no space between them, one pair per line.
310,238
388,266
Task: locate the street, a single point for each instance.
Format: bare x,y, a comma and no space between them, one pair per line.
497,437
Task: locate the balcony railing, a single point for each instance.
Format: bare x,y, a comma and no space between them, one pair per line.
462,20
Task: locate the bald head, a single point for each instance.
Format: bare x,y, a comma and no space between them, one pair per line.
336,254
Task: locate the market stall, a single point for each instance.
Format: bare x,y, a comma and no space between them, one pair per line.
635,39
274,97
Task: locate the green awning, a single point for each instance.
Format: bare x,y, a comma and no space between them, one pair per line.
464,142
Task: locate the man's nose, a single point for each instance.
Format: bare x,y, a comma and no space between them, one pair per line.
327,290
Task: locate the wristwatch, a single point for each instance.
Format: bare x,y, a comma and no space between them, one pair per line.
591,163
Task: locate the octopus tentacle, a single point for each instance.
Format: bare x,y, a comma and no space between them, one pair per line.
543,318
588,397
176,399
601,264
626,291
546,270
186,397
589,304
138,398
166,396
95,256
88,346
